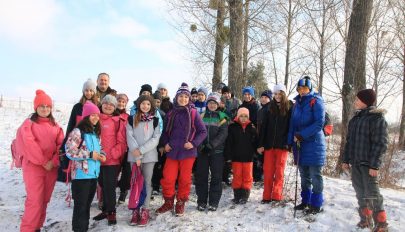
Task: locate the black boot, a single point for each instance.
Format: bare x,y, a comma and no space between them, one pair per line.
301,206
100,216
236,196
245,196
313,210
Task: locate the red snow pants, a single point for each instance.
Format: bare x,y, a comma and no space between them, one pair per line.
242,175
39,185
273,171
179,170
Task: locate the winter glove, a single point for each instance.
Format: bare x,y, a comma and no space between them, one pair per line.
206,149
299,137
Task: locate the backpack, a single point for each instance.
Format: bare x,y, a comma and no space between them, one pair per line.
17,149
328,125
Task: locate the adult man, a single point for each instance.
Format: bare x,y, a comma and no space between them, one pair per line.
103,86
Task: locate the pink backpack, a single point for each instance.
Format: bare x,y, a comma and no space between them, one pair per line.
17,149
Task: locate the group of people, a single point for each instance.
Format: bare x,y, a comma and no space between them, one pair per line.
197,134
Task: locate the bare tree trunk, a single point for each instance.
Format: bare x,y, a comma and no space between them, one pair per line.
235,46
322,51
355,63
219,46
402,126
289,35
245,42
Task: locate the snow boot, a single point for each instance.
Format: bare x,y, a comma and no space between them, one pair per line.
179,209
365,218
313,210
301,206
245,196
266,201
135,217
167,206
201,206
212,208
100,216
123,195
380,221
237,195
144,217
112,218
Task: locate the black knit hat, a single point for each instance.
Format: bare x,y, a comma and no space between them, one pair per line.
194,91
367,96
267,93
157,95
145,87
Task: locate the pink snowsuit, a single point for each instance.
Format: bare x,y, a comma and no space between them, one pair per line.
41,141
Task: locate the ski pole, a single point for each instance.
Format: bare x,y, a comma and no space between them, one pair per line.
296,177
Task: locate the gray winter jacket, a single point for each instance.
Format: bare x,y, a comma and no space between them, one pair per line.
367,138
146,140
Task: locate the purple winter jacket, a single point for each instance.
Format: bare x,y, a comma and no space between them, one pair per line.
179,130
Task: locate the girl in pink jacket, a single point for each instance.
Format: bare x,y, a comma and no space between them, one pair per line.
114,144
41,137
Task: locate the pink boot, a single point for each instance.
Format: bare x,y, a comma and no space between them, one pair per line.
144,217
135,218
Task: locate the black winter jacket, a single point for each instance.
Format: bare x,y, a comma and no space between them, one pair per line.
367,138
261,113
253,107
274,131
216,124
241,144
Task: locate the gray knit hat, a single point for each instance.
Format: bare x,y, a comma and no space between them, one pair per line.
109,99
89,84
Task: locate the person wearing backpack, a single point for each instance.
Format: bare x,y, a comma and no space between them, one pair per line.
124,182
114,144
184,132
83,148
89,94
143,134
40,139
366,143
210,156
273,144
309,147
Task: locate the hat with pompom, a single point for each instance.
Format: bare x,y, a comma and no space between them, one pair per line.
41,98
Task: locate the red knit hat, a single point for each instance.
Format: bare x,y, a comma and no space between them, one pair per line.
89,108
367,96
42,98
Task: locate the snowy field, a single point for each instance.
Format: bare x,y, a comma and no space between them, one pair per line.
340,204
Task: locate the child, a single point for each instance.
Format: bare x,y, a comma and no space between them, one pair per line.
240,147
114,144
125,169
84,149
201,103
366,143
41,137
166,105
89,94
143,135
273,142
210,158
184,132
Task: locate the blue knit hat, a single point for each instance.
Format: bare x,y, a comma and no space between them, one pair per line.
248,89
204,90
267,93
305,81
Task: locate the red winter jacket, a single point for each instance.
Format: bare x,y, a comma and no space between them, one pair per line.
41,141
113,138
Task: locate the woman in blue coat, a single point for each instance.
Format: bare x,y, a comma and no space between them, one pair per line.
306,136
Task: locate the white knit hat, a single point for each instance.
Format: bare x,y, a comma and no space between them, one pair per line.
162,86
279,87
89,84
110,99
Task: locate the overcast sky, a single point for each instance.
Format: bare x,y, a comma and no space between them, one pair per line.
58,45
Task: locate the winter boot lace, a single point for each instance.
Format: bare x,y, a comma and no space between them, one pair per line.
180,204
380,221
144,217
112,218
167,206
135,217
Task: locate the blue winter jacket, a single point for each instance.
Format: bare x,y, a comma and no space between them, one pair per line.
307,120
80,156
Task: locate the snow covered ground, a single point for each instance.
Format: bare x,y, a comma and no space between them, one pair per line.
340,204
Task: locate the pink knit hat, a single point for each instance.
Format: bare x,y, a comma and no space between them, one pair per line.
42,98
89,108
241,111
